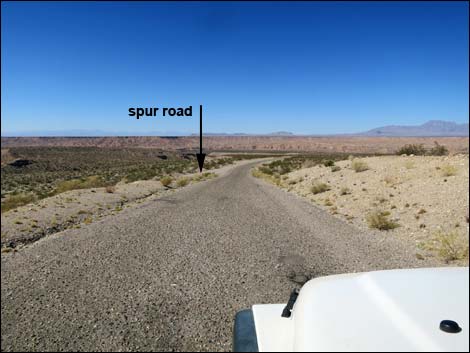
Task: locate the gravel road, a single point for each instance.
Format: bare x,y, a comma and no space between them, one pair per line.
171,273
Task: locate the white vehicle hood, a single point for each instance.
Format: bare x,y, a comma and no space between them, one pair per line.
398,310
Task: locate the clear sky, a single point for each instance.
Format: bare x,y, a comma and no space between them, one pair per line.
308,68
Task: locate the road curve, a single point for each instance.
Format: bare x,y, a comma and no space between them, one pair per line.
169,274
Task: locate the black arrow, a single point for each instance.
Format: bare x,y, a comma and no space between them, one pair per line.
200,156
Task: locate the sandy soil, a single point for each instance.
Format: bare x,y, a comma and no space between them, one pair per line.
416,191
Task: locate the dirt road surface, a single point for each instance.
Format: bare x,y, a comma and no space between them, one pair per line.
170,273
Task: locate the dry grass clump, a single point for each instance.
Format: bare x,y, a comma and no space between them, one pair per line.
448,170
409,164
14,201
319,187
93,181
166,181
183,181
359,165
380,220
204,176
258,173
448,246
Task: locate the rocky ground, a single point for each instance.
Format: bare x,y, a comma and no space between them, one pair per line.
425,197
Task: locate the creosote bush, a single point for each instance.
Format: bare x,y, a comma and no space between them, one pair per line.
412,149
420,150
438,150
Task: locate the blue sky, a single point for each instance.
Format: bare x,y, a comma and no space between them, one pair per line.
308,68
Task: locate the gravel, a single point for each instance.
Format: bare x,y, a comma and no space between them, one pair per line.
170,274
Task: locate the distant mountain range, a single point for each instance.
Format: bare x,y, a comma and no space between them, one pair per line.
431,128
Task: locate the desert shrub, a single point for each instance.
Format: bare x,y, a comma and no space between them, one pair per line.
438,150
265,170
448,170
110,189
449,246
380,220
182,182
93,181
415,149
329,163
359,166
14,201
335,168
345,191
166,180
319,187
143,173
